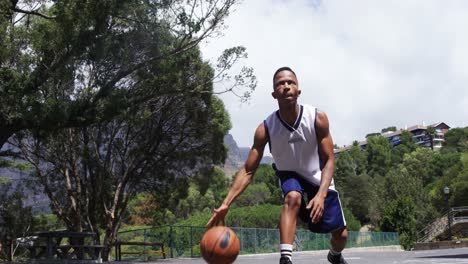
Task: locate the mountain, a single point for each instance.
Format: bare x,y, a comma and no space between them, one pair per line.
237,156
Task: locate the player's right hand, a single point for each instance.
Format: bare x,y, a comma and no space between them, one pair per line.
218,216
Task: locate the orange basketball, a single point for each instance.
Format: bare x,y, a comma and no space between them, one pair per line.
219,245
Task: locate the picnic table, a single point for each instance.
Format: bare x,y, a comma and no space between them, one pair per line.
51,246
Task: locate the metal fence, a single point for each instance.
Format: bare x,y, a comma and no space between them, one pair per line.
184,241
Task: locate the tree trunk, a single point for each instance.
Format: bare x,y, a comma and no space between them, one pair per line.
5,134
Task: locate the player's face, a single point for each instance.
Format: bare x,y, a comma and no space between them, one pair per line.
286,89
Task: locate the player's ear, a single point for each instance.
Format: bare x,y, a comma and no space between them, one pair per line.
273,94
299,92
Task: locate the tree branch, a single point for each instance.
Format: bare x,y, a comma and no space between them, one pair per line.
32,12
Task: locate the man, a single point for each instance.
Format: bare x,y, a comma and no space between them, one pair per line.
302,148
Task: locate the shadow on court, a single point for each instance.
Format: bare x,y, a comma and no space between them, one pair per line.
460,256
387,255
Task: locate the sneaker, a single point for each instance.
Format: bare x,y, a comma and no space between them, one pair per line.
285,260
336,259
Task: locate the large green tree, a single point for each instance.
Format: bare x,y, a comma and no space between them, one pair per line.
378,155
407,145
72,63
91,173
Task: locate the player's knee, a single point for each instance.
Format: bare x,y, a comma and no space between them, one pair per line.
341,234
293,199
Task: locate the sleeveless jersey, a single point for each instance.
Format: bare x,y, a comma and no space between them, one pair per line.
295,148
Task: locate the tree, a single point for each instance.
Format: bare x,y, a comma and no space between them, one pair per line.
265,174
399,216
255,194
407,145
357,195
91,173
456,140
16,219
418,164
74,63
378,155
141,209
431,131
389,129
344,167
214,181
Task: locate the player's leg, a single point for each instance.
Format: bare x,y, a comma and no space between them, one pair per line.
338,243
291,206
333,222
338,239
292,195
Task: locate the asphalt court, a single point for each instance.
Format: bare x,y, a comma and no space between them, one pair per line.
354,256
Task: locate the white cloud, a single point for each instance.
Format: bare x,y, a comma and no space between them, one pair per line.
368,64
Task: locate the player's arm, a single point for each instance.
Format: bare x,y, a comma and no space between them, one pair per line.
244,176
325,142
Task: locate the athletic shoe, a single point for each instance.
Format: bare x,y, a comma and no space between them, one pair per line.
336,259
285,260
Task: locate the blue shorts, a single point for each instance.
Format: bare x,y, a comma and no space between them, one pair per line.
333,217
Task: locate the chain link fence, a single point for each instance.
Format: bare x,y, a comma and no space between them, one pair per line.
184,241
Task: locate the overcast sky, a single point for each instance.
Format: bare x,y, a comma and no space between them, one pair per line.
367,64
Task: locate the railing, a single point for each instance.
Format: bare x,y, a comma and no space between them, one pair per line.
440,225
433,229
184,241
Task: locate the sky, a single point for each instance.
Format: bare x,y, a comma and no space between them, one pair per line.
367,64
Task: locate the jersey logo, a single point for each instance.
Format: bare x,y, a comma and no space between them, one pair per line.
296,136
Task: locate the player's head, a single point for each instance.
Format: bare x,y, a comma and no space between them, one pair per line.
285,68
285,86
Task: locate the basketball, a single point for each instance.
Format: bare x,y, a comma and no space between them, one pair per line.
219,245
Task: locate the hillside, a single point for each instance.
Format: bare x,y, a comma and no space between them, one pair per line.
237,156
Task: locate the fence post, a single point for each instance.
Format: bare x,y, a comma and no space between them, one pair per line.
242,238
255,241
191,245
145,256
171,241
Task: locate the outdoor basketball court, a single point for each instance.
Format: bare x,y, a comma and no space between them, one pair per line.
353,256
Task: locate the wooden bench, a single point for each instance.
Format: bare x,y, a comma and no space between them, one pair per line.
119,253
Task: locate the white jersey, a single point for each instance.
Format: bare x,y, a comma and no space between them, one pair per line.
295,148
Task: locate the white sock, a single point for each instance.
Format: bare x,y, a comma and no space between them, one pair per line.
286,250
334,253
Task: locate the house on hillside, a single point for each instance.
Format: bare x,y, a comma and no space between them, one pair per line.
420,135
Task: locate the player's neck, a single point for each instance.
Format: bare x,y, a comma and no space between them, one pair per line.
289,113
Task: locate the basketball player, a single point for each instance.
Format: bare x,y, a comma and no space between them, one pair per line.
302,148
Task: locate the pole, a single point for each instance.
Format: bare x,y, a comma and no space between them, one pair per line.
449,222
171,241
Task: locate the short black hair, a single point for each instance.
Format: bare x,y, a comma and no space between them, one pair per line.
285,68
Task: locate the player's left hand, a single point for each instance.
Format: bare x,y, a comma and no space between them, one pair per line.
316,206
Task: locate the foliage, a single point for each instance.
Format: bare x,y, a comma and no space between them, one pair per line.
141,209
456,140
261,216
136,153
48,222
76,63
255,194
357,195
389,129
406,146
266,175
400,216
378,155
16,219
352,223
128,83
